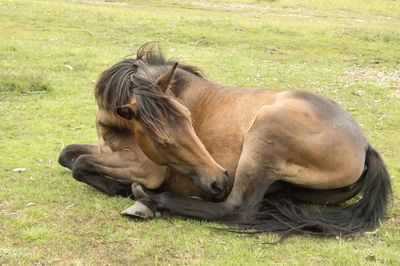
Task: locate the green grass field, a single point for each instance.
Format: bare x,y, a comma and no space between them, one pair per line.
51,52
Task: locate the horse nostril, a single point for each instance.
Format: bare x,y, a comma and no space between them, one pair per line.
217,188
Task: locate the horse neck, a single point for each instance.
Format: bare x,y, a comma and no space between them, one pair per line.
191,89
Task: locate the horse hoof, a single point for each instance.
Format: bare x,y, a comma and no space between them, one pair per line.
138,210
137,191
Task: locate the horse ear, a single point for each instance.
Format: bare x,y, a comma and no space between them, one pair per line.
165,79
127,111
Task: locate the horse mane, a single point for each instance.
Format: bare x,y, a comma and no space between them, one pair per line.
137,78
151,54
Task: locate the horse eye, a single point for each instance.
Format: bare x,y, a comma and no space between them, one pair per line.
162,144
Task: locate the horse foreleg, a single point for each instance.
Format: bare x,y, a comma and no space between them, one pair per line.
113,173
70,153
69,156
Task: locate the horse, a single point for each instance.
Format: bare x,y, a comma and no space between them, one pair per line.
258,159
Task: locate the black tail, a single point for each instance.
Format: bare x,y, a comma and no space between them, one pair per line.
280,214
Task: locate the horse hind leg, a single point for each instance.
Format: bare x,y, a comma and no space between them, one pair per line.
251,182
139,191
238,207
322,197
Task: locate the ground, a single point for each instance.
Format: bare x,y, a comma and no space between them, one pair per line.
51,52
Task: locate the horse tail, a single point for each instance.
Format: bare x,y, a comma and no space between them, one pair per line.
279,214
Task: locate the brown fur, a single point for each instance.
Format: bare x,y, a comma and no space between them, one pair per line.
259,136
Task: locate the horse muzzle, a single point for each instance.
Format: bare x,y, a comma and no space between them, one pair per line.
218,190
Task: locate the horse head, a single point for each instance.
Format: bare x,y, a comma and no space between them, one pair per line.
160,124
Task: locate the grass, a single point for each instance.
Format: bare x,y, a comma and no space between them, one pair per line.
24,82
52,51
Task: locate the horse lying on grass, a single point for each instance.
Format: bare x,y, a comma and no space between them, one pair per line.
256,157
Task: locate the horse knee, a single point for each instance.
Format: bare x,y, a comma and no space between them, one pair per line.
68,155
63,157
81,167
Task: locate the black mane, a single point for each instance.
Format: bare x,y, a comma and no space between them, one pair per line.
151,54
137,78
116,84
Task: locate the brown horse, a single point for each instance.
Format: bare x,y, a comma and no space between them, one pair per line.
171,130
